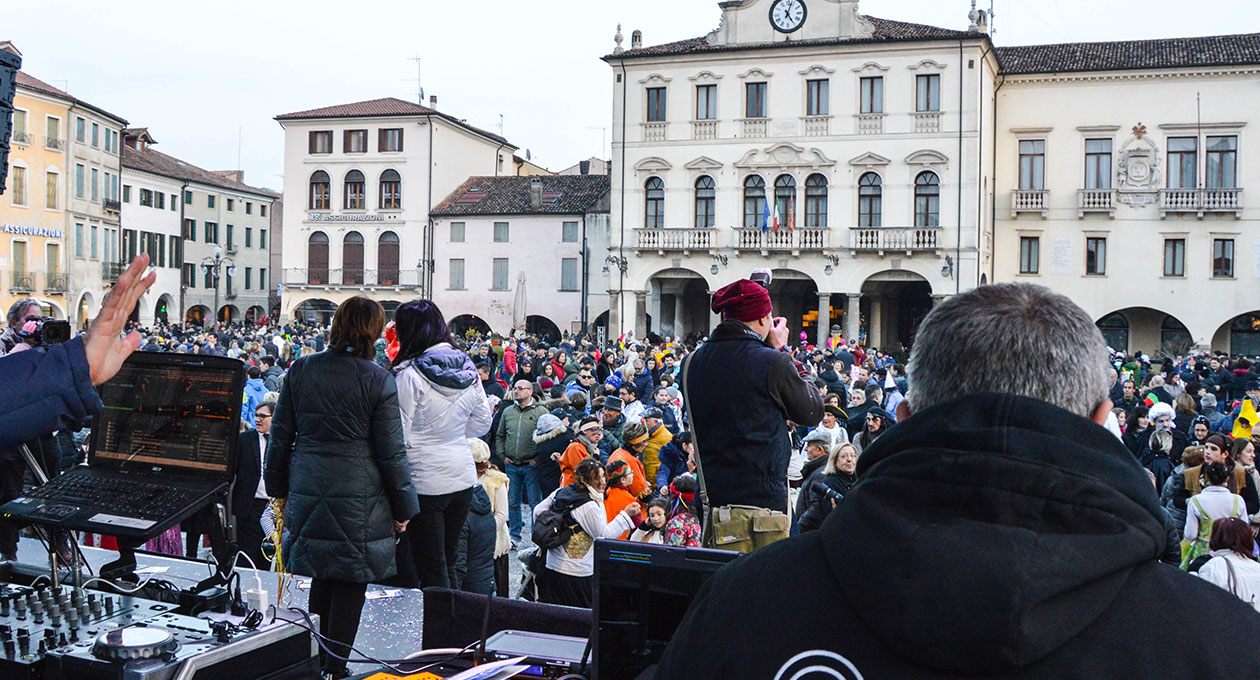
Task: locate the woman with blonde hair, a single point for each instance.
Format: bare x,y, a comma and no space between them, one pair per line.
495,482
837,478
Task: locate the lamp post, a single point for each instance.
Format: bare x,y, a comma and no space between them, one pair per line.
213,266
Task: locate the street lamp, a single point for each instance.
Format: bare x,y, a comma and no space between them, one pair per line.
213,266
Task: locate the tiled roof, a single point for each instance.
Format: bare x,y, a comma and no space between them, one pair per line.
387,106
158,163
26,80
886,30
1217,50
562,195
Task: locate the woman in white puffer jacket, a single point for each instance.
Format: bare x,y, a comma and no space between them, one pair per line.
443,404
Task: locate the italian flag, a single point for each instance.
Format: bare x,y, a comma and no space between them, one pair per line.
776,214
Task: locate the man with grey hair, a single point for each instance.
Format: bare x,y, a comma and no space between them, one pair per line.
23,318
998,529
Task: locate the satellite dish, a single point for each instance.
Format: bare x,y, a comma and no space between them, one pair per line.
527,155
422,95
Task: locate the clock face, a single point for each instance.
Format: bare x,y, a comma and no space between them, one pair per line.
787,16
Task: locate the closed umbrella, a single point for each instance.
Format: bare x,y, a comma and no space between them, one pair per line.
518,306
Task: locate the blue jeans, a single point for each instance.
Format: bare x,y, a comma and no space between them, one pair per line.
522,479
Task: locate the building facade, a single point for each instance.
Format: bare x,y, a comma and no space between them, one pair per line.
514,254
846,154
150,224
360,180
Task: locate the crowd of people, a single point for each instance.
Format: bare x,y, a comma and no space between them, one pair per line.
394,450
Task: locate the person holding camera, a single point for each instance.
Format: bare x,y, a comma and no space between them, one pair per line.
25,318
823,491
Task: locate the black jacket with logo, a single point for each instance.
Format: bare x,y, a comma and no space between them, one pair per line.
991,535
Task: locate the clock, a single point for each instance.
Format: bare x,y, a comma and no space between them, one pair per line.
787,16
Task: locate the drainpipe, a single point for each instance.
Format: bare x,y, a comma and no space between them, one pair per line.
426,272
621,235
980,159
958,238
993,199
585,269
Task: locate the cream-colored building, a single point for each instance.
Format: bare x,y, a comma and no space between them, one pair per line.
912,162
360,180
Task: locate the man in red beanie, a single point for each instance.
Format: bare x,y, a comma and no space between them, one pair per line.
740,389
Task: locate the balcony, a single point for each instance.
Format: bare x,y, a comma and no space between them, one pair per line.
870,123
704,129
754,127
355,278
927,121
56,283
683,240
654,132
1096,200
794,241
1029,200
816,126
22,282
21,138
1200,201
54,143
112,205
110,271
880,240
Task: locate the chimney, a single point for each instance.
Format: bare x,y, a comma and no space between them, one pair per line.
584,167
433,101
636,39
535,193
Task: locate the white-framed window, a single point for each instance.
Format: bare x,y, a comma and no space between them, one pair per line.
569,232
52,189
457,274
872,95
457,232
499,274
96,191
1029,254
52,133
818,97
80,129
500,232
17,184
569,274
78,239
96,134
928,92
80,180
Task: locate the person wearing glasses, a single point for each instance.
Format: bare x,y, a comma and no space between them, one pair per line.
514,440
878,421
249,493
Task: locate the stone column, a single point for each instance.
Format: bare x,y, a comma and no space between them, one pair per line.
614,315
640,314
875,334
679,311
852,315
824,318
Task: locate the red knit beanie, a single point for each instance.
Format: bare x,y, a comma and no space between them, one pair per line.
743,300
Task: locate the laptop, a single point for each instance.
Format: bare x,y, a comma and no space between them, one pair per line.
641,593
164,445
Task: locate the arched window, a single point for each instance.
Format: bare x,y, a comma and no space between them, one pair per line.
927,200
317,259
387,259
354,191
706,200
320,187
870,200
816,202
1244,335
754,202
352,259
654,205
785,200
391,195
1174,337
1115,331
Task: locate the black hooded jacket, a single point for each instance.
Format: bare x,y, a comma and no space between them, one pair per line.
991,535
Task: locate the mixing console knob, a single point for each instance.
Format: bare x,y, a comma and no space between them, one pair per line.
8,647
42,647
20,606
4,606
62,641
54,616
39,617
109,606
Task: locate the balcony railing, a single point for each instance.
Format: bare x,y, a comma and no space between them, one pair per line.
1096,200
55,282
110,271
654,132
21,138
754,127
22,282
683,240
704,129
112,205
870,123
894,239
817,126
784,240
1200,201
927,121
53,143
1029,200
392,278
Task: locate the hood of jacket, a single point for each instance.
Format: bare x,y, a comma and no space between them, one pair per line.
255,384
1034,516
480,502
447,367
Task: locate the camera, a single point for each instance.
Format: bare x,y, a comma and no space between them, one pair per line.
831,493
48,332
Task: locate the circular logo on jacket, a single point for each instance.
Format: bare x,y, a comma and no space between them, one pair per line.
818,664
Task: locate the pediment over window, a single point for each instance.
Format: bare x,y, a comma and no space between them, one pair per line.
927,158
655,79
870,68
927,66
784,156
818,70
703,163
869,160
755,73
705,76
652,164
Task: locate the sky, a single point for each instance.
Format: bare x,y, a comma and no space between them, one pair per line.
208,83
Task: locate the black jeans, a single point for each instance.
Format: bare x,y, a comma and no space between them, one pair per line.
339,606
249,534
434,536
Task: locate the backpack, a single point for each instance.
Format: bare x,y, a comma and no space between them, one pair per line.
554,529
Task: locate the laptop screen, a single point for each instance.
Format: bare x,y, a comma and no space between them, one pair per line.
177,412
641,593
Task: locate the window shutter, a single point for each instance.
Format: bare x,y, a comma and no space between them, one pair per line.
400,139
380,139
310,142
345,141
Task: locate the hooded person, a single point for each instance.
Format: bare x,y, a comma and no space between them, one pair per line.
584,445
495,484
635,441
1009,536
551,437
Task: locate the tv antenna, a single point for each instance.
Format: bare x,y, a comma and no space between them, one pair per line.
419,87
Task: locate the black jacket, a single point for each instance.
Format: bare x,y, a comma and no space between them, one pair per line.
740,394
474,568
810,472
248,472
999,536
337,456
817,504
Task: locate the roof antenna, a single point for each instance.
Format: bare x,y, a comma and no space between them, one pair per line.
420,93
992,26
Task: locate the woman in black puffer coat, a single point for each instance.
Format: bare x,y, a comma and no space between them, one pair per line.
839,475
474,567
337,459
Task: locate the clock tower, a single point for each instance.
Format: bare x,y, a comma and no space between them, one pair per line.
763,21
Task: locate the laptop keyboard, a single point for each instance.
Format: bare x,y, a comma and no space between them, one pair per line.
126,497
